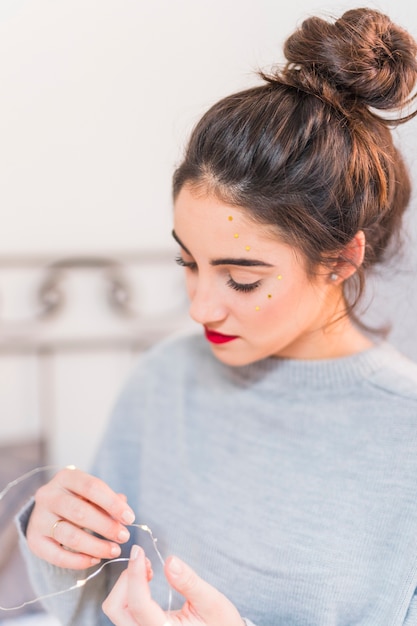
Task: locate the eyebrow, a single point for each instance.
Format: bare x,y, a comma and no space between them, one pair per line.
227,260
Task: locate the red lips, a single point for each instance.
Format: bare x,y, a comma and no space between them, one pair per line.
214,337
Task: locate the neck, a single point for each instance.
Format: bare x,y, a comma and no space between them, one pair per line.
338,338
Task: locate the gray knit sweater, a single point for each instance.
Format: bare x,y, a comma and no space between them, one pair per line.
289,485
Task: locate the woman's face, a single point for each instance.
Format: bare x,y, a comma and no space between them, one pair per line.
249,290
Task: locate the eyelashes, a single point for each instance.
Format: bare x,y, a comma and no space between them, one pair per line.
190,264
241,287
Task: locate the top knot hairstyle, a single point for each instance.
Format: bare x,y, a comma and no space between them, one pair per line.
309,151
361,59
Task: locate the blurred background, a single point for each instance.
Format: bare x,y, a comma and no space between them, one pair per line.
97,100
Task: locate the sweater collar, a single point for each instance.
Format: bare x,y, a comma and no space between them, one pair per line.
279,373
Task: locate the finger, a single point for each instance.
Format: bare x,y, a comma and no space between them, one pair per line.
120,605
149,570
78,510
207,603
78,539
141,605
76,523
97,492
55,502
67,541
83,514
115,605
186,581
49,550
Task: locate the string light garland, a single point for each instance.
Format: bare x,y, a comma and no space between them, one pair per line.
79,583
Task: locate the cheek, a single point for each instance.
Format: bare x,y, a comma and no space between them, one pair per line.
190,284
272,303
258,308
267,299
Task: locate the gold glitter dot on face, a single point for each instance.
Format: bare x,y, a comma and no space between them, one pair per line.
257,308
236,235
270,295
279,277
247,248
230,218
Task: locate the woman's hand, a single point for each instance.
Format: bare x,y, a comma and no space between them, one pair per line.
130,602
68,509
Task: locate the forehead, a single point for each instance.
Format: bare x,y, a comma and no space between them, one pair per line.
209,228
201,214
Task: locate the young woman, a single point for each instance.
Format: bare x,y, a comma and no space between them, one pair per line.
276,452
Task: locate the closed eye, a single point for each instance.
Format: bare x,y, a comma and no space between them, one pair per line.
243,287
192,265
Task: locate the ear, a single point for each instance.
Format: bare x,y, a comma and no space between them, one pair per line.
350,258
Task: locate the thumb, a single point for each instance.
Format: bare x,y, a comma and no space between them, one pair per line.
187,583
208,603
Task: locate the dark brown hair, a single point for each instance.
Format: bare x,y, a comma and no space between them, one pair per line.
307,151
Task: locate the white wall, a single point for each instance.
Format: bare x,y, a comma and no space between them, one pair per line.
97,99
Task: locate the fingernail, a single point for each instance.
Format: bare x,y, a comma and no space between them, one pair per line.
95,561
134,552
128,517
115,551
123,535
175,566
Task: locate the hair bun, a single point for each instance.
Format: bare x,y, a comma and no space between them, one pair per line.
363,54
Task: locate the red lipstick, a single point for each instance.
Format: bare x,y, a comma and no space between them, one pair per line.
214,337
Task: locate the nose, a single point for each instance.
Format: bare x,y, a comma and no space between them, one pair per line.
206,304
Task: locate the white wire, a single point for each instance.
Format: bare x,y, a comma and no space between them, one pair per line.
25,476
82,582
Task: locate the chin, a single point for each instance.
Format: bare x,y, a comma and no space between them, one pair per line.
234,359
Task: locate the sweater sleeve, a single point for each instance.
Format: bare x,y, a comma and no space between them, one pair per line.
48,580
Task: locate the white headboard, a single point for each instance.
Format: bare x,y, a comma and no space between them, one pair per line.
70,329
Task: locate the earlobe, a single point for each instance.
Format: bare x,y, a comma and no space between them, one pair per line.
350,258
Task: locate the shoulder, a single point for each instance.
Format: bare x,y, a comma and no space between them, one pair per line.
397,375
